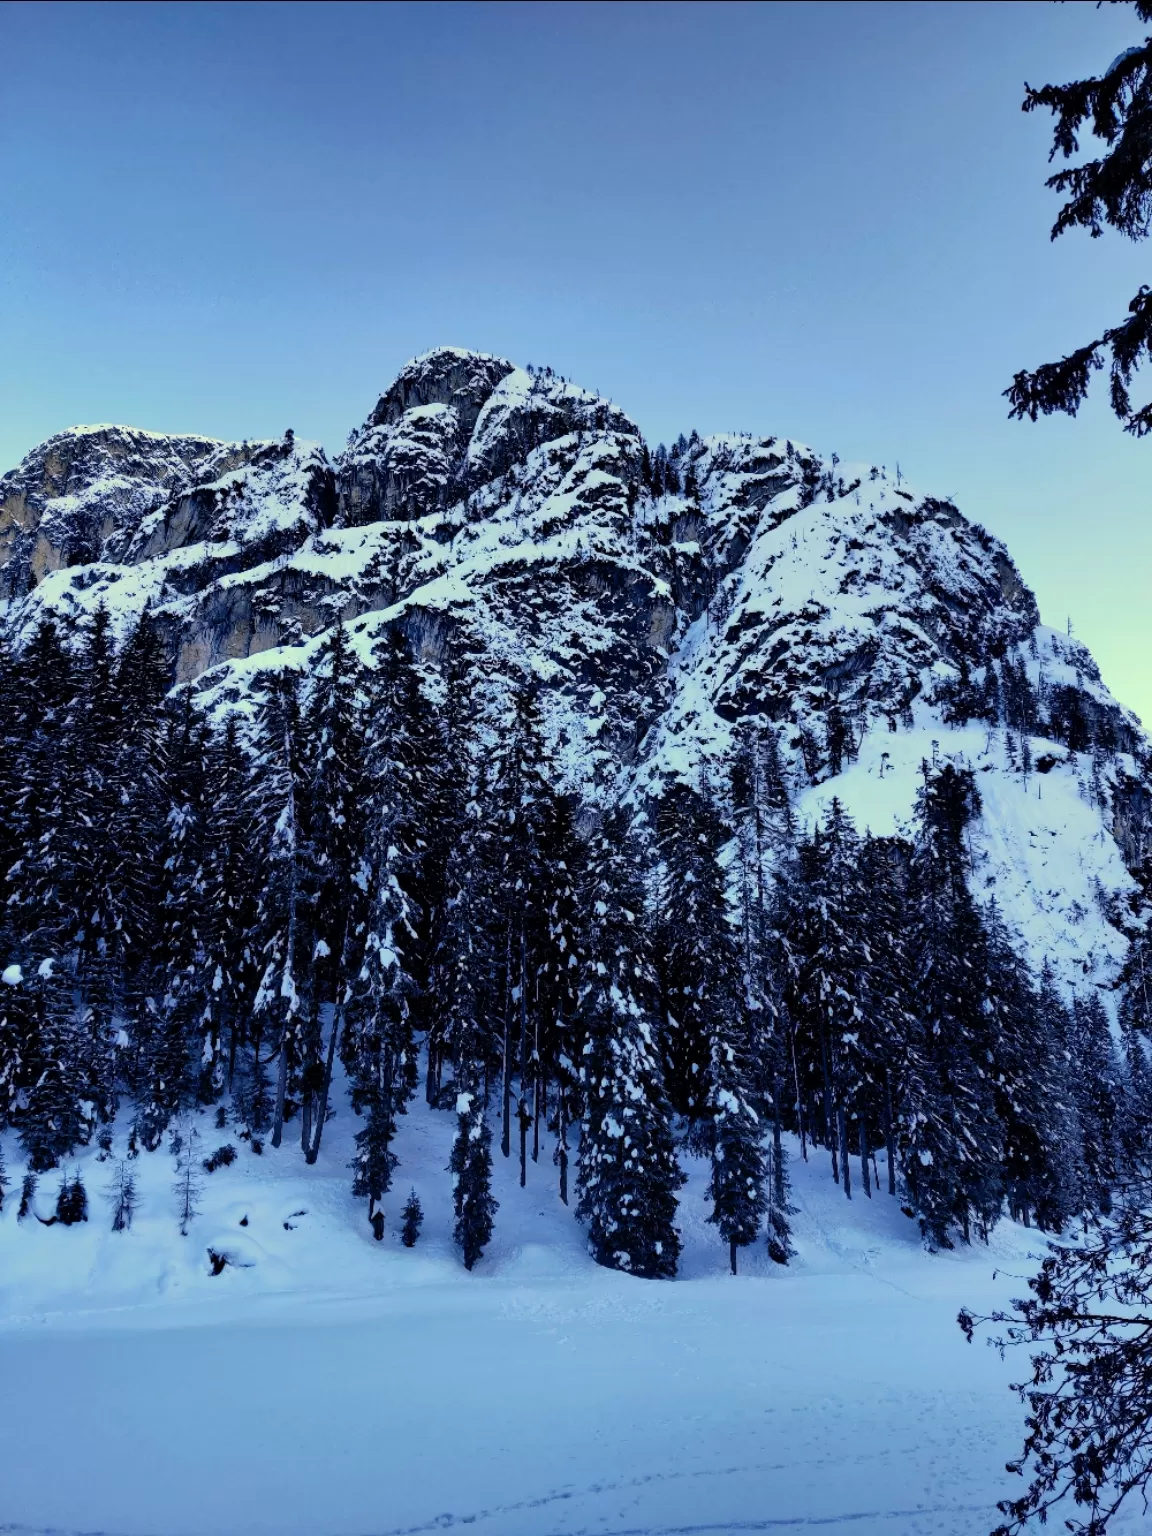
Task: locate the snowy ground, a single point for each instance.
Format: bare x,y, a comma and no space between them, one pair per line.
340,1387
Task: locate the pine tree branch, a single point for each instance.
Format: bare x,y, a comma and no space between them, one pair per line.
1111,191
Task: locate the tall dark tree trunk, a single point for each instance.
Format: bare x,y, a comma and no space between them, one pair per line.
777,1152
829,1121
732,1256
562,1149
842,1129
281,1087
799,1098
525,1120
538,1094
889,1138
522,1054
313,1151
232,1043
864,1160
506,1068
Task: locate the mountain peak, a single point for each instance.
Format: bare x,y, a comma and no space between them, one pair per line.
443,376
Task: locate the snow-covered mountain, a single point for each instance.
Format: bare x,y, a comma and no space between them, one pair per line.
660,597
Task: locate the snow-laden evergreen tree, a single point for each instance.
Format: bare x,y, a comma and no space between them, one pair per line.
628,1173
144,792
518,804
91,861
413,1221
122,1197
1060,1195
280,819
380,1049
230,965
738,1184
1033,1091
170,1066
1096,1082
341,870
71,1201
708,1022
765,835
471,1167
44,688
829,1000
59,1113
951,1140
466,998
187,1186
554,1048
16,1040
452,844
68,885
892,1034
691,923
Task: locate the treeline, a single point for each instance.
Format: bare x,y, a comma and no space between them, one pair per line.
210,912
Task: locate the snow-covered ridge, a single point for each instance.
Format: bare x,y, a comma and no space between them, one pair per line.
664,600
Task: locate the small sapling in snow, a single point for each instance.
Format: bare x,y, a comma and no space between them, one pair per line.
413,1220
123,1195
27,1194
71,1202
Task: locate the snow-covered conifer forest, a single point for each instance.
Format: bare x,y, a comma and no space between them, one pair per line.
508,868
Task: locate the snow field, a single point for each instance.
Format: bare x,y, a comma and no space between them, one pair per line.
327,1385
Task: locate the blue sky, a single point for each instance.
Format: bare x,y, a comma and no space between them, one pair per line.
821,220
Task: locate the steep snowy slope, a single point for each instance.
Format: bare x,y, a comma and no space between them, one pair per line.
664,601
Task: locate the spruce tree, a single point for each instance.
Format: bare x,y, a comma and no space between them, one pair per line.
628,1173
72,1202
518,805
710,1045
340,867
830,996
170,1066
737,1187
1035,1099
465,999
1096,1083
380,1049
59,1114
950,1135
413,1221
123,1198
279,813
230,966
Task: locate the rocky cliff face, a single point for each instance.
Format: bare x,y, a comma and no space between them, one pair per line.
662,600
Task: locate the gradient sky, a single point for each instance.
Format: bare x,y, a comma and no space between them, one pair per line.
820,220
